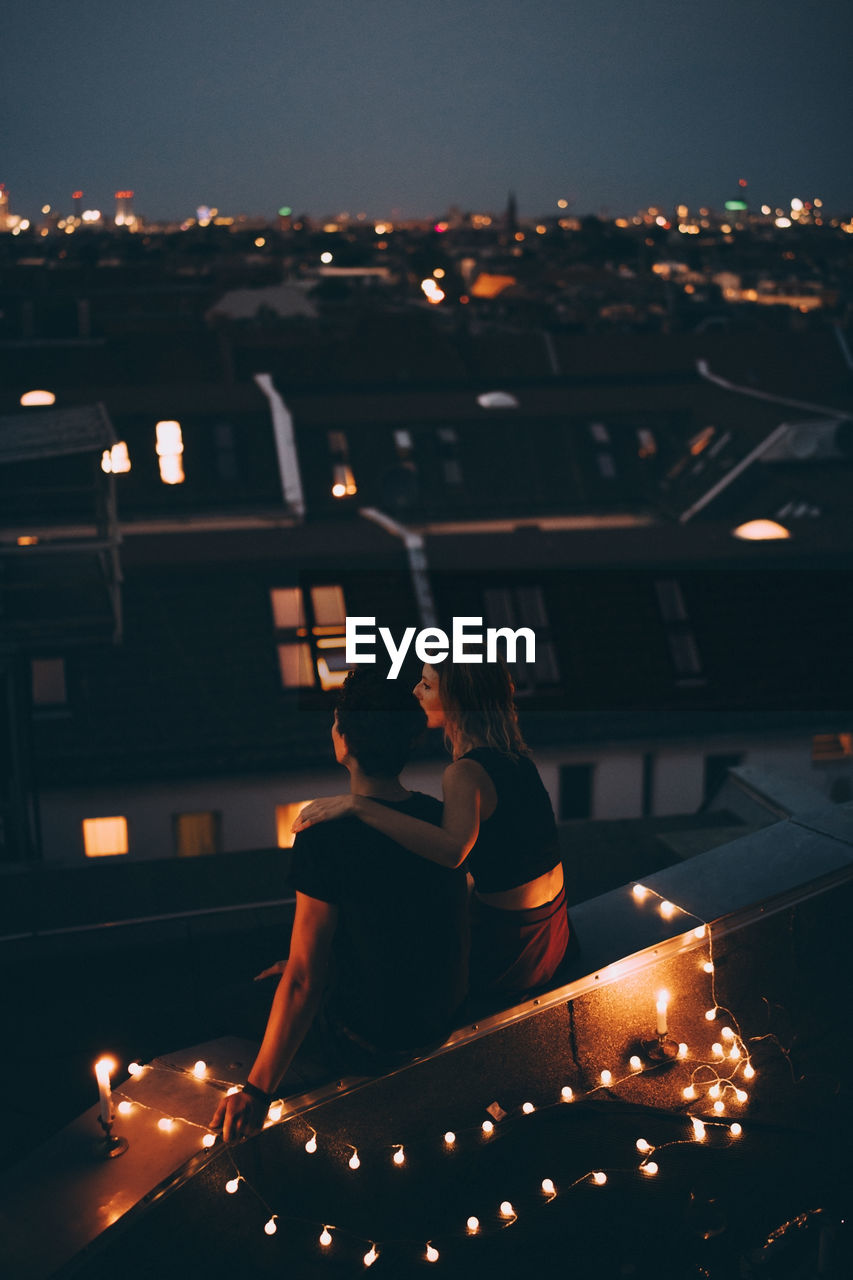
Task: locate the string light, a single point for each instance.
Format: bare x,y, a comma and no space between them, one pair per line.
698,1129
727,1033
134,1069
566,1093
708,966
640,892
599,1178
354,1161
311,1144
124,1108
734,1052
607,1077
689,1092
325,1237
741,1095
276,1111
208,1140
715,1090
699,931
270,1226
635,1063
235,1088
548,1187
488,1128
432,1254
719,1107
449,1138
667,909
399,1156
472,1225
527,1107
200,1070
735,1130
643,1146
166,1123
717,1050
710,1015
650,1168
683,1050
507,1210
371,1256
232,1185
748,1071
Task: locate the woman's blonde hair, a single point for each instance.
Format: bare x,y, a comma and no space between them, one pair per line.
478,702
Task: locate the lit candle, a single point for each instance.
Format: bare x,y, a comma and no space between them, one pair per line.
103,1067
661,1008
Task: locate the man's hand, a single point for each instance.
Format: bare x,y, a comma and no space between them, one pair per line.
239,1116
327,809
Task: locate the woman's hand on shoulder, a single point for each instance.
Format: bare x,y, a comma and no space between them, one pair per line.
326,809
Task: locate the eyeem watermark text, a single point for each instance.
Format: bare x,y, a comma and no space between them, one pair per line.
432,645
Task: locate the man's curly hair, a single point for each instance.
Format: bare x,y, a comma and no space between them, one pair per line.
380,720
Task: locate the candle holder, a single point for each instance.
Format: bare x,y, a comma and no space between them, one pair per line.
110,1146
660,1049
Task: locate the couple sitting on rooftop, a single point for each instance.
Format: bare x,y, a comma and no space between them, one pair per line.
381,932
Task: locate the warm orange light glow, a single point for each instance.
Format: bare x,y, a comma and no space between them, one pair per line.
325,1237
599,1178
172,469
640,892
270,1227
473,1225
650,1168
30,398
431,1253
548,1187
104,837
399,1156
488,1127
124,1108
450,1138
285,816
490,285
507,1210
761,531
116,461
166,1123
28,540
208,1140
200,1069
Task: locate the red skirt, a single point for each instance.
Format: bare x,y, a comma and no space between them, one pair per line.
514,951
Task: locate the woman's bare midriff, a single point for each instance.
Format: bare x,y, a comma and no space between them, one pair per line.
533,894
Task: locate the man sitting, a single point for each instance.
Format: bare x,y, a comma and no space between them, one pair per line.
385,930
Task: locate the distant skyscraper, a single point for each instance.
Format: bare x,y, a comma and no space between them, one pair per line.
124,212
77,203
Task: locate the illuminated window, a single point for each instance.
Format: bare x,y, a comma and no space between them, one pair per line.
285,816
116,461
832,746
48,677
170,451
197,834
104,837
310,630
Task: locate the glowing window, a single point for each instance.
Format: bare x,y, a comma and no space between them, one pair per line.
288,609
832,746
329,607
285,816
48,677
170,449
296,666
197,834
104,837
116,461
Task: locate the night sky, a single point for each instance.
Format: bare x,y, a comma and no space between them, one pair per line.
406,107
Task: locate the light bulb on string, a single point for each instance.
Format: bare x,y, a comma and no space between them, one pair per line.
683,1050
735,1130
606,1077
134,1069
488,1128
354,1161
311,1144
719,1107
640,892
276,1111
432,1254
527,1108
599,1178
507,1210
643,1146
399,1156
325,1237
748,1071
371,1256
667,909
717,1049
166,1123
200,1069
635,1063
698,1129
124,1108
715,1090
270,1227
232,1185
208,1140
734,1053
548,1187
710,1015
566,1093
472,1225
449,1138
235,1088
689,1092
699,931
727,1033
708,966
649,1168
741,1095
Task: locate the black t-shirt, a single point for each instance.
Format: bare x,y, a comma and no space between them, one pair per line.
519,841
401,945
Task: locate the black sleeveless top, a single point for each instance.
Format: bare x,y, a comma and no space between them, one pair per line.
519,841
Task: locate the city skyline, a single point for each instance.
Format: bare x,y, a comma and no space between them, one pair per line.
398,110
